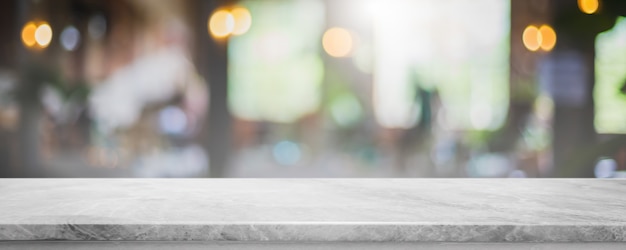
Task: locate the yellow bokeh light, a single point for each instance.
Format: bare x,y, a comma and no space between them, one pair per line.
43,35
243,20
221,23
532,38
548,37
337,42
588,6
28,34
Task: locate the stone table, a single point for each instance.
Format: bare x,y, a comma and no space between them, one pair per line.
312,213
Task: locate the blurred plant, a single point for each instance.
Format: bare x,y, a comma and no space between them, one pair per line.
35,76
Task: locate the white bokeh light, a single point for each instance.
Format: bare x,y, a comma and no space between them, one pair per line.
70,38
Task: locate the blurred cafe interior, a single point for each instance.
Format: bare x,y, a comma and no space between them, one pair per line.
313,88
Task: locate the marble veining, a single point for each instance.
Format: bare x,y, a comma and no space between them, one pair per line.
388,210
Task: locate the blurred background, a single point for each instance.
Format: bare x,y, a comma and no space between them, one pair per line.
313,88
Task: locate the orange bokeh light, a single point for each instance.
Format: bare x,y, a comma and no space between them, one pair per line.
548,37
532,38
543,38
28,34
337,42
588,6
221,24
243,20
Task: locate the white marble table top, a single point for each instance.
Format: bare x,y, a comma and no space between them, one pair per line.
405,210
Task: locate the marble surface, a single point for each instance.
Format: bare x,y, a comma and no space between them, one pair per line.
313,210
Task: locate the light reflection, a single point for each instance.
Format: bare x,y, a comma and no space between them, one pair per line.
221,24
36,35
172,120
337,42
43,35
286,153
70,38
242,19
28,34
588,6
532,38
543,37
605,168
548,37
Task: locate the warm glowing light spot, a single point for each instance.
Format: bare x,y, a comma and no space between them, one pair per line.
243,20
43,35
221,23
588,6
532,38
548,37
337,42
28,34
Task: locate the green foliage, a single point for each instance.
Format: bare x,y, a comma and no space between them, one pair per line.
35,76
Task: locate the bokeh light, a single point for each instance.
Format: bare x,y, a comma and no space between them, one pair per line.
605,168
28,34
286,153
532,38
221,24
548,37
337,42
588,6
243,20
346,110
70,38
172,120
43,35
